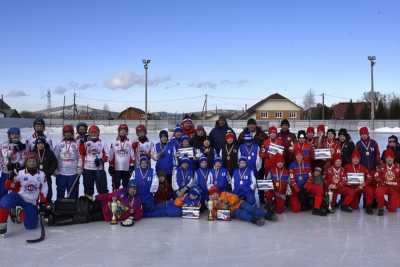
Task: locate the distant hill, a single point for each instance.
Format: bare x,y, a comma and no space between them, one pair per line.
81,112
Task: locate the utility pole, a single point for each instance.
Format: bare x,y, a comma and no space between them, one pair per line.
48,100
63,110
372,60
204,109
323,106
74,107
87,111
146,63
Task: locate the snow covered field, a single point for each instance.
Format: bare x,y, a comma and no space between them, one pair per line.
295,240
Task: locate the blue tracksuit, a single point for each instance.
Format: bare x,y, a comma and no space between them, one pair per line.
251,153
247,212
243,184
12,200
182,178
201,182
64,183
219,178
166,162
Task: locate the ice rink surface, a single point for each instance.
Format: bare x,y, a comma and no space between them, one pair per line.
297,240
340,239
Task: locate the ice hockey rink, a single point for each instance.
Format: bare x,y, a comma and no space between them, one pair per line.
339,239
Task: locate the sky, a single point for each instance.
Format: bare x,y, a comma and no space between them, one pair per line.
237,52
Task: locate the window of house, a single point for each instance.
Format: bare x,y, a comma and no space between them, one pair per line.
263,115
278,115
292,115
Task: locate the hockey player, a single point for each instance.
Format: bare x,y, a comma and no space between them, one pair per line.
12,157
280,177
335,183
300,172
142,146
288,139
39,127
240,209
128,204
356,167
201,178
190,199
27,188
229,153
183,177
94,156
388,178
69,164
176,138
244,182
251,151
266,154
47,162
369,151
315,186
218,176
121,159
163,154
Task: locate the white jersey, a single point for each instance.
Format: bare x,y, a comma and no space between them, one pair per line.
93,150
10,154
68,157
30,142
31,185
121,155
142,149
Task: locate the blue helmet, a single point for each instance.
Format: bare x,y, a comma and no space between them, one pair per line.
178,129
242,158
185,159
14,130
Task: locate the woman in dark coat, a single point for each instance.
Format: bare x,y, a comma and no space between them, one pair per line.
217,134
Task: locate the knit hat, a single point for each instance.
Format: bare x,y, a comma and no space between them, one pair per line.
301,134
364,130
184,137
251,121
203,158
272,130
310,130
343,131
163,133
242,158
355,154
143,158
285,122
184,159
333,131
389,154
213,190
318,169
178,128
14,130
229,135
217,159
321,128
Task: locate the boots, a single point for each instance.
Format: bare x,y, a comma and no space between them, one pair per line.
258,222
380,212
346,208
318,212
369,210
3,229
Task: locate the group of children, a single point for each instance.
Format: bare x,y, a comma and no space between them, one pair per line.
194,169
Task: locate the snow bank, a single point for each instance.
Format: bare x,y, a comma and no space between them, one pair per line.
388,130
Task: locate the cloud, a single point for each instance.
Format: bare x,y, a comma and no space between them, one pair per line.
81,86
125,80
60,90
237,83
17,93
204,84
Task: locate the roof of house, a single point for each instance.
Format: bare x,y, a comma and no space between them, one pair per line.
138,110
274,96
339,109
4,105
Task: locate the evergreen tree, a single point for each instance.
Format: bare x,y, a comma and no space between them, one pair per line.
381,111
350,113
365,113
394,109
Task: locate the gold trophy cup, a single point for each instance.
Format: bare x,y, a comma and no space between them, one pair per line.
210,206
114,208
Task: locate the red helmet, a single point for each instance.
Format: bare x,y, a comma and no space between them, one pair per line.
94,129
68,129
123,127
141,128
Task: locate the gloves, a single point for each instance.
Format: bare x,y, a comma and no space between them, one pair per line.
111,170
97,162
42,209
131,169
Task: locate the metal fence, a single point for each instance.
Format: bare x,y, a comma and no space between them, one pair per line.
153,125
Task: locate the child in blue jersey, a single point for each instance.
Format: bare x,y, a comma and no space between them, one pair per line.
163,154
183,177
201,176
244,182
250,150
218,176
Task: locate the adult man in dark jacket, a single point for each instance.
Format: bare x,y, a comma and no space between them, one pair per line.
258,135
289,139
217,134
346,145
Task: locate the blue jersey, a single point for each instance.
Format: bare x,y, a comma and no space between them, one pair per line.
165,157
219,178
147,183
243,181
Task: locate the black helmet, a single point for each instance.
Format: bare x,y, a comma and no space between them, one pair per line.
39,121
80,124
285,122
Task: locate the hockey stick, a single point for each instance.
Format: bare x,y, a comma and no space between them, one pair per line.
42,233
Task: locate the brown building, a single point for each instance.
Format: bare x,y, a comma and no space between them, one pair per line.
131,113
274,107
340,109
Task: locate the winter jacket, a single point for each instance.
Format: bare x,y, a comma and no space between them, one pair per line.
217,135
48,160
259,136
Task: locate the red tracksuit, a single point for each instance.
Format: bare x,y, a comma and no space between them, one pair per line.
368,187
388,179
307,151
337,177
299,174
280,178
267,157
315,186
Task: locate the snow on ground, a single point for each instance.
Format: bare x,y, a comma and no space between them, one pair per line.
388,130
